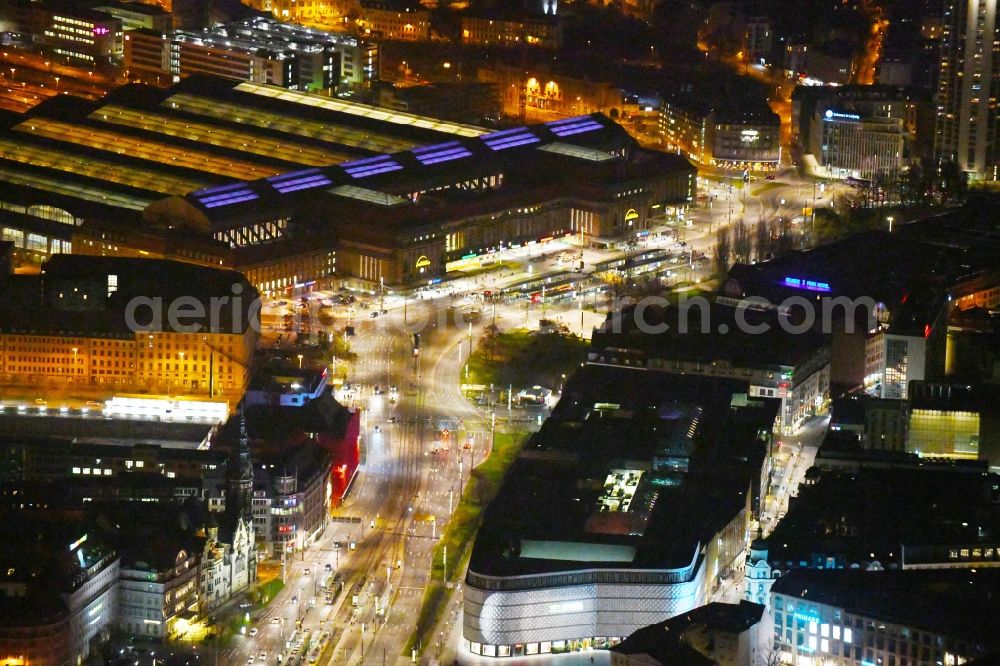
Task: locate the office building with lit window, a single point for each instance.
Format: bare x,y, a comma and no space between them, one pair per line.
648,485
67,577
741,139
968,87
136,15
158,589
86,37
259,50
862,148
889,618
80,324
503,29
404,20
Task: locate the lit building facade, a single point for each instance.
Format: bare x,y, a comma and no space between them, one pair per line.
746,143
855,618
541,31
735,141
93,601
154,597
228,566
86,37
290,508
259,50
99,348
968,88
945,421
594,566
861,148
893,361
40,637
391,20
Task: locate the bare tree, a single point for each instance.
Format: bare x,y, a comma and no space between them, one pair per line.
742,243
722,250
763,241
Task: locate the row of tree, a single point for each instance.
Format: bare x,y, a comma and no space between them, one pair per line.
741,243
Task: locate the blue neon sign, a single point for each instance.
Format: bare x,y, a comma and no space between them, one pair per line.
836,115
810,285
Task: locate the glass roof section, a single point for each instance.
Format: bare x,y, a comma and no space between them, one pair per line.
247,142
97,168
362,110
580,152
152,151
244,115
370,196
85,192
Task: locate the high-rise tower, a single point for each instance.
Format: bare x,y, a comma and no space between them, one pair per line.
968,87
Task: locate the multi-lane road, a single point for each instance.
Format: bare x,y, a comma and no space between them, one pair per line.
378,549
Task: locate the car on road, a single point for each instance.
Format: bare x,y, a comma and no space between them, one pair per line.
391,419
275,620
374,314
769,177
262,656
253,631
307,571
377,429
251,659
328,567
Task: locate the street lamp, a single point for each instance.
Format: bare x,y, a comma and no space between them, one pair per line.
890,218
300,361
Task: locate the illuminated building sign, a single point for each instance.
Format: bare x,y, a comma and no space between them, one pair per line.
836,115
76,544
631,215
99,30
422,262
810,285
749,136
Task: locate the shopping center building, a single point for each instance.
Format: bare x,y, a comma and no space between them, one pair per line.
635,500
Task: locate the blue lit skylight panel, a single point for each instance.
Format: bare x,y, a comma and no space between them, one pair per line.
579,128
299,180
291,175
371,166
520,136
444,152
210,192
568,121
240,196
493,136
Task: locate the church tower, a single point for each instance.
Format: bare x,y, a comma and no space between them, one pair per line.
239,490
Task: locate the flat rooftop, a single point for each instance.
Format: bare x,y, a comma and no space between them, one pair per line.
709,332
955,603
596,485
859,516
